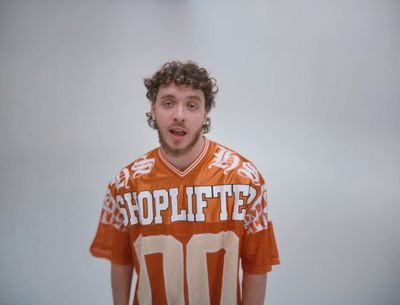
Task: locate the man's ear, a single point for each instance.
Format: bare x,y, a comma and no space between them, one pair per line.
206,115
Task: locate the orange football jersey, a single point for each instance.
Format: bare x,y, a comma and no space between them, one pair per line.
187,232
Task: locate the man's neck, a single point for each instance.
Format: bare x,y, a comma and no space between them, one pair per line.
183,162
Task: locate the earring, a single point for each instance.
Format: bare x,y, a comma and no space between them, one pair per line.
151,120
206,125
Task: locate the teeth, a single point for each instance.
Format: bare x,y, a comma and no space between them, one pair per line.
178,132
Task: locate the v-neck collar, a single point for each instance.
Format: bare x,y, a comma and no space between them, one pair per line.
191,166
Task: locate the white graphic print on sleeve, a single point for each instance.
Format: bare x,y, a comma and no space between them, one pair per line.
111,213
248,170
142,166
225,159
256,218
121,180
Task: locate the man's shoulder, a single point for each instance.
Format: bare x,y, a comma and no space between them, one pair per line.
145,161
229,161
140,166
227,152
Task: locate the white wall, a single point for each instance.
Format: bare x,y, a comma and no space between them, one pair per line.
309,90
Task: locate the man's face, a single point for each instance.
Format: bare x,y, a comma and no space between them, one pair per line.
179,112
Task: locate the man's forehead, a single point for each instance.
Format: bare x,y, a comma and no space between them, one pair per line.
179,89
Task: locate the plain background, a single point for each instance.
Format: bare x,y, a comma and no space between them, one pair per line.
309,91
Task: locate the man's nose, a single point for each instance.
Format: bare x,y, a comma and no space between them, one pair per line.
179,114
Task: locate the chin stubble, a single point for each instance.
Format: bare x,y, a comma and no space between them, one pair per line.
178,152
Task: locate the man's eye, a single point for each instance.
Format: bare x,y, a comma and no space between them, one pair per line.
167,103
192,106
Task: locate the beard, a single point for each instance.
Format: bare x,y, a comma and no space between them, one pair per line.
178,152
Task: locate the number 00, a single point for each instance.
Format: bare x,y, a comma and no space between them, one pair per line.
196,266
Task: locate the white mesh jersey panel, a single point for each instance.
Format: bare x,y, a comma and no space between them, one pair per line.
172,253
197,272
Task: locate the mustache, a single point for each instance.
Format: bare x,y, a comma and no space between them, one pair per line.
180,125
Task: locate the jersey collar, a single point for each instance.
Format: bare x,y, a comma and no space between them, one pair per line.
191,167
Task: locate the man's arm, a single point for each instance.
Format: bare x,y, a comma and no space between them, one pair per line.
253,288
121,278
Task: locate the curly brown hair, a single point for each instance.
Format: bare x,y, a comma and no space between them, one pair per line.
187,74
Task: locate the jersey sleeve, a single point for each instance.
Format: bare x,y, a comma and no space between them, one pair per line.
112,239
259,249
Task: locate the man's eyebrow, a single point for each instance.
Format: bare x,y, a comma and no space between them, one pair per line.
171,96
167,96
194,97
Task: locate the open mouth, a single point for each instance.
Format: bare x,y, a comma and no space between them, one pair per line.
178,132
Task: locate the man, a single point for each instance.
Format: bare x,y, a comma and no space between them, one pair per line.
186,214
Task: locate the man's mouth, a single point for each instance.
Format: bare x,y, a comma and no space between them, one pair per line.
177,132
